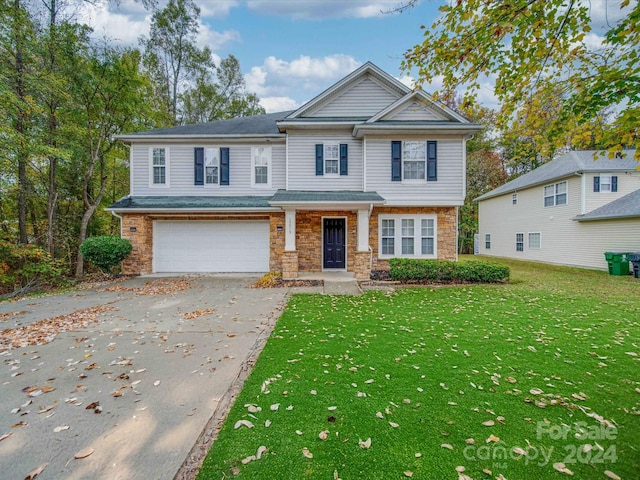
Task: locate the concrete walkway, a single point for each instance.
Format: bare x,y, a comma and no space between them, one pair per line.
335,283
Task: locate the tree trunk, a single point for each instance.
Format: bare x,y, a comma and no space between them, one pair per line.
52,126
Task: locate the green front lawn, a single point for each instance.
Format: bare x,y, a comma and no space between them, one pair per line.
508,378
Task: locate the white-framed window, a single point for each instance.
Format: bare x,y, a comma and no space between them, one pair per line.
535,240
387,236
414,160
331,159
211,166
158,167
519,242
514,199
412,236
487,241
555,194
605,183
261,166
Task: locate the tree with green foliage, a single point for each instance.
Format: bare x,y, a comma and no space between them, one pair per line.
540,54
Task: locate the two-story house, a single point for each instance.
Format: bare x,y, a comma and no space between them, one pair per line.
568,211
366,171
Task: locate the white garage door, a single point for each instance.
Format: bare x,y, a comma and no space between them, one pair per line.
210,246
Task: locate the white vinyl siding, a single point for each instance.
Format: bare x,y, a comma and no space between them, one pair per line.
448,190
302,161
180,170
627,183
412,236
566,241
416,111
365,98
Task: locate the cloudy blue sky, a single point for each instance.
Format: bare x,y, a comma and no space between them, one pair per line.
291,50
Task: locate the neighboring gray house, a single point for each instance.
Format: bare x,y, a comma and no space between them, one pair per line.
568,211
366,171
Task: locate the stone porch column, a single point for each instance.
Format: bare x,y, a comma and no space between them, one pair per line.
362,263
290,255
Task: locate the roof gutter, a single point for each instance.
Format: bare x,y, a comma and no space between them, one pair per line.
192,137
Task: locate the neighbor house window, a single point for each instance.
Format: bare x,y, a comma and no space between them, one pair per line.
535,240
331,159
514,199
519,242
211,166
261,159
555,194
416,236
487,241
159,165
605,183
387,234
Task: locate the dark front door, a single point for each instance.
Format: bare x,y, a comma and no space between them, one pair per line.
334,242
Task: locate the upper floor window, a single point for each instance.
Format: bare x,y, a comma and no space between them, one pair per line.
332,159
555,194
211,166
407,236
487,241
261,160
159,167
514,199
414,160
605,183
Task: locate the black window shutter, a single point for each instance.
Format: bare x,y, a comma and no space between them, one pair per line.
344,161
396,161
319,159
224,166
198,166
432,161
596,184
614,183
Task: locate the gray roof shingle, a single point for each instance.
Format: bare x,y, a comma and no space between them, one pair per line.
188,202
568,164
624,207
304,196
253,125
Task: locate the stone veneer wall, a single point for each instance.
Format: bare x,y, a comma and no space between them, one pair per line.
447,230
276,241
309,238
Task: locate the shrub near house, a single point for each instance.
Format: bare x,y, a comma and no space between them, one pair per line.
407,270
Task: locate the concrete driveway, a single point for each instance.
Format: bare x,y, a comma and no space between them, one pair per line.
143,385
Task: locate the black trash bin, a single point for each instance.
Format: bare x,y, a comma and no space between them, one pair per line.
634,258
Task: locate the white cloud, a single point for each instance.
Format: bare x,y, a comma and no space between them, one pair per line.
217,8
124,26
278,104
317,9
304,75
215,40
605,13
408,80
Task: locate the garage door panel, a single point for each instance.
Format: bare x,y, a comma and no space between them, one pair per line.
211,246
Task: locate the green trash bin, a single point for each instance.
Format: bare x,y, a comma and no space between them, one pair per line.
618,263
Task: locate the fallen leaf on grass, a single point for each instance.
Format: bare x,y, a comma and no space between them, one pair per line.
489,423
366,444
307,453
492,438
35,472
611,475
446,445
536,391
562,468
394,424
323,435
243,423
519,451
486,471
407,473
261,450
469,441
84,453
